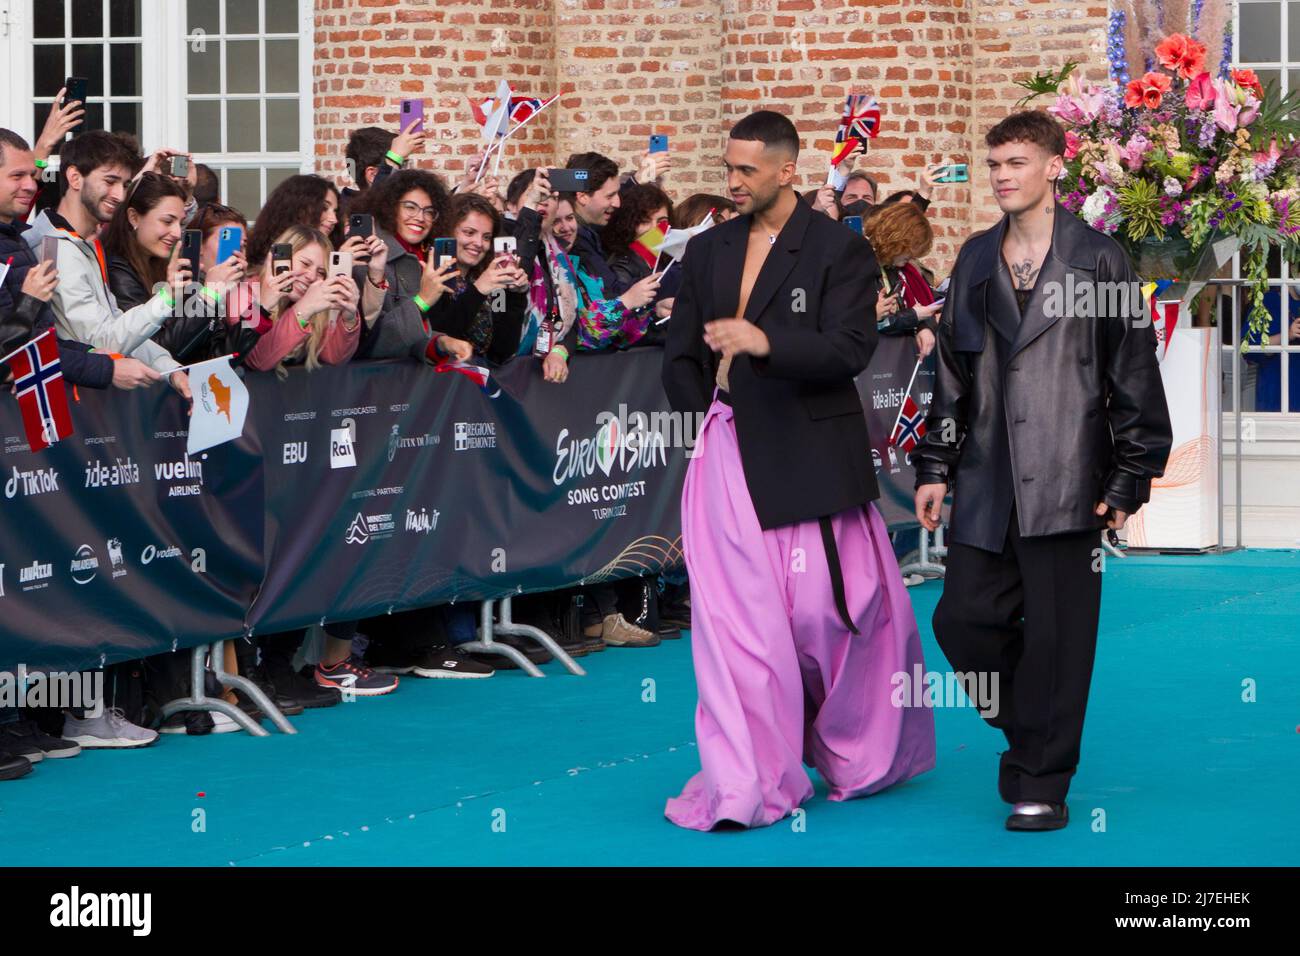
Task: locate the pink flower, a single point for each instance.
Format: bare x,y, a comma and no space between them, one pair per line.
1075,106
1132,152
1072,144
1200,93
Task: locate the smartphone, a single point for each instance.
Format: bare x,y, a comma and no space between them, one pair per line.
340,264
229,241
76,87
360,224
180,166
50,249
412,110
505,244
281,258
956,173
854,223
658,144
192,248
443,249
568,180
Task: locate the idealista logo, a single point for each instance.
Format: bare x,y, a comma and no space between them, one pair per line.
421,522
85,565
38,481
343,445
100,475
396,441
187,470
472,435
74,908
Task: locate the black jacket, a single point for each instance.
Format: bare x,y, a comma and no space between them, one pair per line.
199,333
799,420
22,317
1054,413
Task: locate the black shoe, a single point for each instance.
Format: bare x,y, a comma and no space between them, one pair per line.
287,704
434,662
575,646
1038,816
194,723
533,651
303,689
12,767
23,738
668,632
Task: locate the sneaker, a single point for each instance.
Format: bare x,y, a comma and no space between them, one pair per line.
287,703
354,676
110,729
301,687
195,723
913,580
445,661
26,739
617,632
221,724
13,766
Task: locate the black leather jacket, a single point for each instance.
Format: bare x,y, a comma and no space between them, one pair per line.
1052,412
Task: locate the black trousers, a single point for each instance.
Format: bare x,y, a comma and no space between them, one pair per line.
1029,616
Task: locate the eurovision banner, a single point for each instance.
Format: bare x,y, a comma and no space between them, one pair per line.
352,492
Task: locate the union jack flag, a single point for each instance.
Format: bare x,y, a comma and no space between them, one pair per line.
861,119
909,428
38,385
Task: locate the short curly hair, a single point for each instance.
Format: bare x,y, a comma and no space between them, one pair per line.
635,204
899,229
381,199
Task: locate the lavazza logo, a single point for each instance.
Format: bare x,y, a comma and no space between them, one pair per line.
85,565
35,576
396,441
120,472
186,475
473,435
38,481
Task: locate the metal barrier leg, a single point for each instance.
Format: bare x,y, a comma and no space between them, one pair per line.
486,645
198,700
254,692
507,626
923,565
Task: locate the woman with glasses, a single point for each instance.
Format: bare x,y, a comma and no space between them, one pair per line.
407,207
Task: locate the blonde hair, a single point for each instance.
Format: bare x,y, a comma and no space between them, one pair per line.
299,237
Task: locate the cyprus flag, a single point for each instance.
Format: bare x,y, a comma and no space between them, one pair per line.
220,404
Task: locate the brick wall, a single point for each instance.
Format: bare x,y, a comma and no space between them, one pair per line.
943,71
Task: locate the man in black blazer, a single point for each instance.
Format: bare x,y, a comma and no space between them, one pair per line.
1048,424
800,619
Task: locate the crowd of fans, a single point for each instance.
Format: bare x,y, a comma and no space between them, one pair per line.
96,256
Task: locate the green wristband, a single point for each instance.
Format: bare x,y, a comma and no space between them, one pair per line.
564,353
420,303
396,157
168,300
41,164
211,293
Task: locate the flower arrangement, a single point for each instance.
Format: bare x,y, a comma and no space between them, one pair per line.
1179,156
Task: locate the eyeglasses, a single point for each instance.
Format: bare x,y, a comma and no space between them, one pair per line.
413,209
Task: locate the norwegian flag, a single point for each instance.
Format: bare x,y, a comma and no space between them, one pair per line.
38,384
909,428
861,119
522,107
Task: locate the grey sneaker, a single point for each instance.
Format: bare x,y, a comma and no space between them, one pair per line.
110,729
617,632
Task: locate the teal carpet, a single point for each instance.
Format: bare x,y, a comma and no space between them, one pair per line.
571,770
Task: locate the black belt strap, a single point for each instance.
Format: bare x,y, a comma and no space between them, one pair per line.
837,574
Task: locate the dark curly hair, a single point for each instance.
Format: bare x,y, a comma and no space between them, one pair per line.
636,203
381,200
299,200
462,204
120,239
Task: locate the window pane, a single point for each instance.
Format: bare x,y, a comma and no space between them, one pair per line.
282,126
276,175
124,18
1293,29
282,66
205,126
125,118
205,68
1261,382
1261,31
241,16
281,16
1293,387
87,18
242,69
94,118
47,20
47,70
243,191
124,69
88,61
243,126
203,15
1267,77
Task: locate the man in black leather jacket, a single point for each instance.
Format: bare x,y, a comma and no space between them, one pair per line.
1048,423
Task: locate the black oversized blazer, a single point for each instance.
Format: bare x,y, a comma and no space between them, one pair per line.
799,420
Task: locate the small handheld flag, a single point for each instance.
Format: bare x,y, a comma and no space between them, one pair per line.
220,404
38,385
478,374
860,120
909,428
